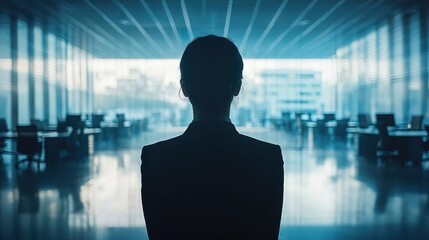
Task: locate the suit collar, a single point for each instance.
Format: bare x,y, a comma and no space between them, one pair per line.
225,119
210,128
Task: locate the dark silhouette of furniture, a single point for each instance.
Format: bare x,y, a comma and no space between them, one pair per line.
387,119
28,143
73,143
416,122
122,130
40,125
3,145
426,143
321,127
287,121
61,126
96,120
364,120
341,128
73,119
385,145
407,143
120,119
3,125
329,117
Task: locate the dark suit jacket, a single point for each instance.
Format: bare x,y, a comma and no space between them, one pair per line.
212,183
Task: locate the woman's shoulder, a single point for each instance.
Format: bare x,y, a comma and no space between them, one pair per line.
256,142
172,142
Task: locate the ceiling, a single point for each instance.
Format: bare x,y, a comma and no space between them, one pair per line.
260,28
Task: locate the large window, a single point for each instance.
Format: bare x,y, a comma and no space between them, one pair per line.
23,80
5,69
38,74
51,75
61,78
390,78
271,88
415,82
52,80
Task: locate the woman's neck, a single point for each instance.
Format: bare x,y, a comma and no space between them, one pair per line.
199,115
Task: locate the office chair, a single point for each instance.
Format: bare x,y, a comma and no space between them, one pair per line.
28,143
61,126
364,120
3,128
40,125
71,147
96,120
385,145
341,128
321,127
329,117
3,125
426,143
416,122
3,145
387,119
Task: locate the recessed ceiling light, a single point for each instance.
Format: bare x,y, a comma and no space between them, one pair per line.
304,22
124,22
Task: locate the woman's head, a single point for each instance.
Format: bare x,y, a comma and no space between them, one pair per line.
211,71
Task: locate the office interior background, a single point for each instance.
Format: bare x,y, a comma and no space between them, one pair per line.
318,77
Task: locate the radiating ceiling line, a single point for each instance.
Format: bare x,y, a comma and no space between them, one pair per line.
228,18
340,25
60,15
75,22
158,25
250,26
171,21
108,37
313,26
116,27
187,21
270,25
297,21
138,26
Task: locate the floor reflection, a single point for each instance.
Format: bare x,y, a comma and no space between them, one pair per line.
330,193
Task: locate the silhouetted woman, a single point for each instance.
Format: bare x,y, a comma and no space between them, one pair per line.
212,182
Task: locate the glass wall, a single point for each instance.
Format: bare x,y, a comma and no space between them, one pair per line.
5,68
22,71
51,79
38,74
272,88
382,70
48,67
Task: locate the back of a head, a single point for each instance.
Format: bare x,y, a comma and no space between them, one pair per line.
211,71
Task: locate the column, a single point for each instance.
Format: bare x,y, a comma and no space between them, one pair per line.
424,60
45,71
14,70
31,79
407,62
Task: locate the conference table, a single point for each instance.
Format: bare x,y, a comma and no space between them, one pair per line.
331,128
408,143
53,141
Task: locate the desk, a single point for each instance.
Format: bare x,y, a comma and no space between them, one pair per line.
50,134
322,127
409,143
53,142
112,130
338,128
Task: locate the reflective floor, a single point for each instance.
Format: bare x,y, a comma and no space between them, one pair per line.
329,193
